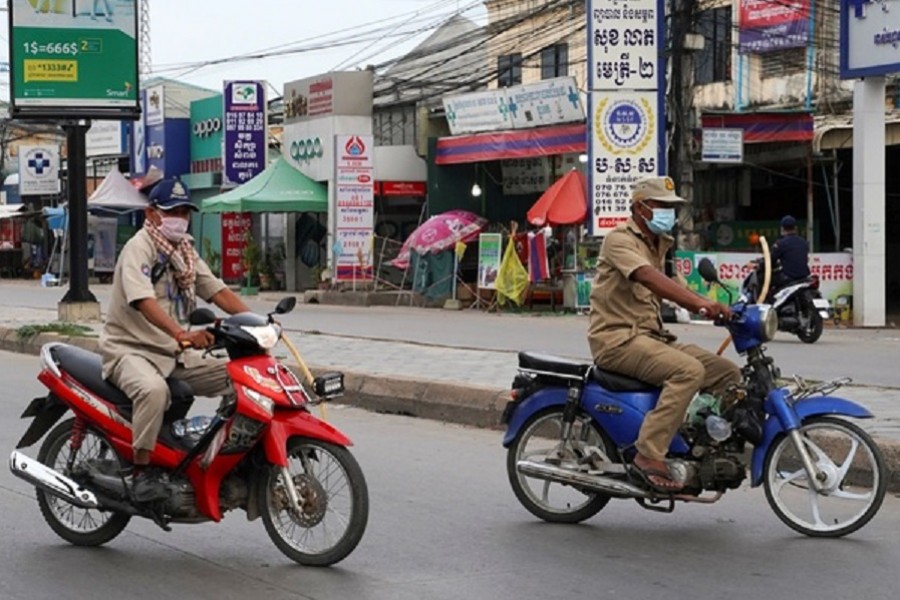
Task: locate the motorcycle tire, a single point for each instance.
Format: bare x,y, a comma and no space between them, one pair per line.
850,461
325,471
584,504
812,330
78,526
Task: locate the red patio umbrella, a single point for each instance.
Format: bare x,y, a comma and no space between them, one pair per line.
564,202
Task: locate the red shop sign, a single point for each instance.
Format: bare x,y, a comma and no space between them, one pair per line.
403,188
235,227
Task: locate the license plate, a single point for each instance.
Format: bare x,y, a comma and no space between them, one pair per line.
821,303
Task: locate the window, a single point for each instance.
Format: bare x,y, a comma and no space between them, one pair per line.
713,63
783,62
509,70
555,61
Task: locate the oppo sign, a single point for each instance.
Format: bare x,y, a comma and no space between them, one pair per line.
305,151
207,127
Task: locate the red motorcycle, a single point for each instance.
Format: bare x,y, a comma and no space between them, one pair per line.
262,451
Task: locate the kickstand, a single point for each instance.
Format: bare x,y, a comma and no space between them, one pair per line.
649,504
159,519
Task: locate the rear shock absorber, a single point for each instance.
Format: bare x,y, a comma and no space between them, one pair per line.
79,431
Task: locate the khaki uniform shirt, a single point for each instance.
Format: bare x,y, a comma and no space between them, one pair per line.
126,330
621,308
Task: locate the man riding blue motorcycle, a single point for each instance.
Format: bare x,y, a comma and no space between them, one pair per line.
626,334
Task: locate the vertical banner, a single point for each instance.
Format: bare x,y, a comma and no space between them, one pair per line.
234,238
767,26
38,170
245,131
490,253
626,122
139,140
103,230
355,206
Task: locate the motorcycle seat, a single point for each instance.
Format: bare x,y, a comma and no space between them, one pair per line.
86,368
616,382
553,365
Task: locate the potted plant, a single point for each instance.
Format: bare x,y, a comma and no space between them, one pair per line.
213,259
250,259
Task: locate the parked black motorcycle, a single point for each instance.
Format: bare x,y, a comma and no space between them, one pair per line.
800,307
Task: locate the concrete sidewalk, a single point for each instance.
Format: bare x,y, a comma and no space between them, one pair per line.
465,386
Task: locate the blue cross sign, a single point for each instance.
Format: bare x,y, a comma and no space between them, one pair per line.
38,163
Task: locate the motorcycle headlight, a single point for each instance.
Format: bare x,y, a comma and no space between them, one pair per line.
266,335
768,322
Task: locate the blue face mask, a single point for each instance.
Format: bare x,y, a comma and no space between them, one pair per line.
663,220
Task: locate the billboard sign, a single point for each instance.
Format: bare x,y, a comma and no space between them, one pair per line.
67,61
342,93
870,38
768,26
625,41
105,138
245,131
722,145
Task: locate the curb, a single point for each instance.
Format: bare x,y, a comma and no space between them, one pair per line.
448,402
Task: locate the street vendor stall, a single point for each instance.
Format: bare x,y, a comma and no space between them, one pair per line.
563,204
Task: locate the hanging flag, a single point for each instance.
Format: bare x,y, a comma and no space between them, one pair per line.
538,265
512,278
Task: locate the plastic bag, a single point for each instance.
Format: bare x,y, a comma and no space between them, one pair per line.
512,277
701,407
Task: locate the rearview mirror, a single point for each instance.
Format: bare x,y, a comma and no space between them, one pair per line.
708,271
202,316
286,305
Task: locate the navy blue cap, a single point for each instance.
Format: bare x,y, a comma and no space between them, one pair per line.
170,193
788,222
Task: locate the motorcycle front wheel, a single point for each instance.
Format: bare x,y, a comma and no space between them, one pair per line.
333,499
539,437
76,525
811,323
852,471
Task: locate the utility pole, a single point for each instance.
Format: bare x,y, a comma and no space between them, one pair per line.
681,111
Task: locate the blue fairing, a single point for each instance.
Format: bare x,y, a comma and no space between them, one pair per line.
823,405
620,414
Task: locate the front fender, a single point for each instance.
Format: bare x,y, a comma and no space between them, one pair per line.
554,396
808,407
287,424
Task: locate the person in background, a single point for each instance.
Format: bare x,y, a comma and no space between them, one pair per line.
790,255
626,333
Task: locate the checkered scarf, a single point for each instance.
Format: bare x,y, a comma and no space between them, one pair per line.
182,258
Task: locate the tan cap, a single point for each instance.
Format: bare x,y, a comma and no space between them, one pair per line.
661,189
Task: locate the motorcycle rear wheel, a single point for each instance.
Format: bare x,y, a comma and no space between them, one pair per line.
855,482
811,324
78,526
334,500
550,501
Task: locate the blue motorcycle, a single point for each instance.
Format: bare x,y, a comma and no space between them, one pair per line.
571,429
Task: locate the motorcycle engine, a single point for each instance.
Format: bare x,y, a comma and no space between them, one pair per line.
720,472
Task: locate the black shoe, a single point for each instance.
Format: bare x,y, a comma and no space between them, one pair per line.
146,488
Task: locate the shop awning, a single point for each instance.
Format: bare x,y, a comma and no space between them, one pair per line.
762,127
116,194
280,188
481,147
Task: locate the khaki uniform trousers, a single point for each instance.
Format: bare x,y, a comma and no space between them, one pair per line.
681,370
142,381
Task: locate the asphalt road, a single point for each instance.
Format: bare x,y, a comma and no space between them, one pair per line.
443,525
869,356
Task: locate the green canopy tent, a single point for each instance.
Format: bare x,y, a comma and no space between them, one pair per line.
280,188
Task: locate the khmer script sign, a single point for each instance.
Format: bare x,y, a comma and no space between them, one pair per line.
624,44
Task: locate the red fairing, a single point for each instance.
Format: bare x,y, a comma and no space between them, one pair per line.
288,424
259,373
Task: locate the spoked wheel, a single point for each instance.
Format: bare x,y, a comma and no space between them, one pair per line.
811,323
333,498
853,474
538,440
79,526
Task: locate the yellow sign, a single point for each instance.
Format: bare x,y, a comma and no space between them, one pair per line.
51,70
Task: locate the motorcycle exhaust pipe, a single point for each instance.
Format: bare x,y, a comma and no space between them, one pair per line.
52,482
594,483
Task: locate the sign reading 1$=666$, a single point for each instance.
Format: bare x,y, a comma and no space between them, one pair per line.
87,46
